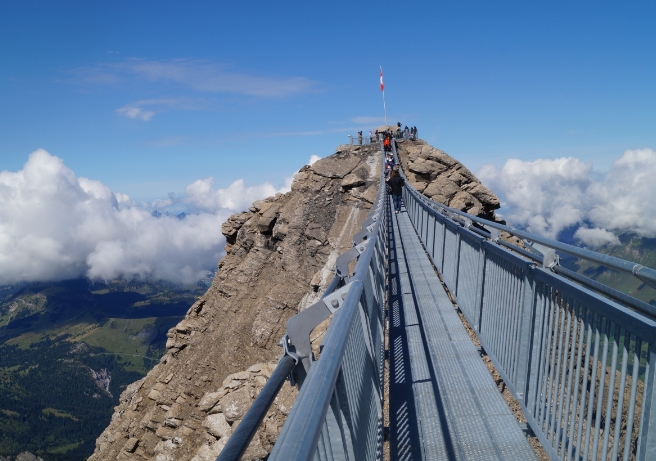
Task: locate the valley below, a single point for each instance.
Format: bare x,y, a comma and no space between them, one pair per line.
67,351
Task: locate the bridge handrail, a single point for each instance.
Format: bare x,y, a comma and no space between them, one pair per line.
643,273
573,359
646,274
338,411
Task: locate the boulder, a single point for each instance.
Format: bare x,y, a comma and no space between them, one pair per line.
442,188
463,201
131,445
420,166
210,399
336,166
236,404
217,425
352,180
441,157
485,196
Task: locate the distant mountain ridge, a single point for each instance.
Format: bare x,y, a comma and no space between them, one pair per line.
640,250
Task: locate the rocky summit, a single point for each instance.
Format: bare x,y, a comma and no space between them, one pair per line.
280,255
443,179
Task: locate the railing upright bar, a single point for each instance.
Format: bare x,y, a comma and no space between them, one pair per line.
647,441
560,414
525,337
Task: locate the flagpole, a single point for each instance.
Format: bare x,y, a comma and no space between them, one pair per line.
384,108
382,88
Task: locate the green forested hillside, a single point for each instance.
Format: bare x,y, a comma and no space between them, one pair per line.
633,248
67,351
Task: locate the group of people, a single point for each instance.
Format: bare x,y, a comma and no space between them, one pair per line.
410,133
405,133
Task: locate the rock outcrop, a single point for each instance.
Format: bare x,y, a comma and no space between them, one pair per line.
24,456
444,179
279,258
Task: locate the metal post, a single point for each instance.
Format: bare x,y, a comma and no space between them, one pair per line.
647,439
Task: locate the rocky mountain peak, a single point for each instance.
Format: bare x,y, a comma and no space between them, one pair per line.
443,179
280,255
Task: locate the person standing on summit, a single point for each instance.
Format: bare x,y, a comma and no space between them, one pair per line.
396,184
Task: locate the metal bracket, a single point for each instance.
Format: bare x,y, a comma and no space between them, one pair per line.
550,259
362,246
495,235
636,270
287,348
367,226
301,325
335,300
530,246
343,260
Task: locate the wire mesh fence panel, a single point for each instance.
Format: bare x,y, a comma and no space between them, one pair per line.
470,276
581,365
502,308
586,394
451,247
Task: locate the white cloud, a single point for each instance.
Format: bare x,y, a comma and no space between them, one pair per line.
55,225
548,196
237,196
199,75
135,110
596,236
135,113
313,158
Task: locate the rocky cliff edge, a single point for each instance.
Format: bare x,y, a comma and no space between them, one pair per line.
279,258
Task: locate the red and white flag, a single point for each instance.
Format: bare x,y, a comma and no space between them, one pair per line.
382,85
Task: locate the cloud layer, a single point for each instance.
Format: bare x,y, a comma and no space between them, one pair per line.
55,225
547,196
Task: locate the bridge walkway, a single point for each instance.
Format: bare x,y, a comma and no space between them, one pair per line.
444,405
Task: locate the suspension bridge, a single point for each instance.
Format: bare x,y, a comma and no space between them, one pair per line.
578,356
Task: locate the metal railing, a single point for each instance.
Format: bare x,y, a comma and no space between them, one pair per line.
361,140
355,139
581,365
338,412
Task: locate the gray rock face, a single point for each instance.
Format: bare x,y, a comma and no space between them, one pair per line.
277,252
102,378
445,180
27,456
335,166
279,255
236,404
217,425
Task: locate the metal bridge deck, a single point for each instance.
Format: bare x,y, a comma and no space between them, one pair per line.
444,404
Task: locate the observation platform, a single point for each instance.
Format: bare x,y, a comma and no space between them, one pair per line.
444,404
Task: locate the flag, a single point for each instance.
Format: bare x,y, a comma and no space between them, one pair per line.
382,85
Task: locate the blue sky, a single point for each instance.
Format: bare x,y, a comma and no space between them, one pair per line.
147,97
